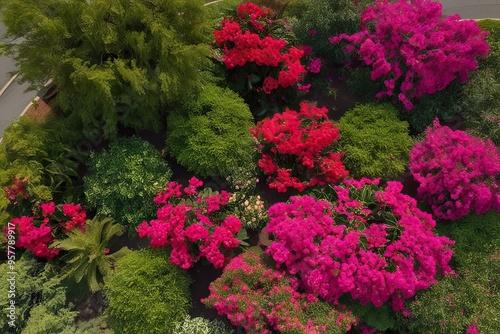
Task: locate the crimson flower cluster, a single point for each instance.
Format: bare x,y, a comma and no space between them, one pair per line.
373,243
296,149
246,43
413,49
50,221
262,299
16,190
457,172
190,222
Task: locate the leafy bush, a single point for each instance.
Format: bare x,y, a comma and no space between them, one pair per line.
372,243
468,303
87,258
492,62
123,180
374,141
191,223
208,133
146,294
473,234
36,153
202,326
457,173
40,299
320,19
413,50
296,149
253,294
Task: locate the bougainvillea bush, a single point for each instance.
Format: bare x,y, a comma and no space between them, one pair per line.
260,299
413,50
373,243
49,222
263,68
458,173
191,223
296,149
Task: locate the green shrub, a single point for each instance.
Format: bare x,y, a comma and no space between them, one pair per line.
202,326
491,62
96,325
472,233
40,298
376,143
209,133
455,303
123,180
327,18
86,257
146,294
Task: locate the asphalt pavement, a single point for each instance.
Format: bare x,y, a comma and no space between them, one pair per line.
14,98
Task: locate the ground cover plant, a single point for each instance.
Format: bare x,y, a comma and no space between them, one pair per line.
250,208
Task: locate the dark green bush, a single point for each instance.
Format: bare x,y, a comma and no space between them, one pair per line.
326,18
455,303
472,233
376,143
123,180
209,133
146,294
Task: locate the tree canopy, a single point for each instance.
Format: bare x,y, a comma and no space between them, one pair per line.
117,61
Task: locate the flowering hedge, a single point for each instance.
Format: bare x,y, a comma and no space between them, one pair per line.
190,222
413,50
373,243
457,173
264,62
261,299
296,149
50,221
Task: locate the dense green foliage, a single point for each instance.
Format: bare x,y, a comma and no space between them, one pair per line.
318,20
123,180
116,61
202,326
209,133
376,143
147,294
40,298
87,257
456,303
480,104
39,153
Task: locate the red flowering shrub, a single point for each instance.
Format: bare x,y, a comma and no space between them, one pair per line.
17,190
296,149
255,58
190,222
373,243
49,222
413,50
262,299
457,173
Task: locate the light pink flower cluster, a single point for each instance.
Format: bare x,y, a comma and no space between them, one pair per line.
457,173
296,149
261,299
413,49
190,222
374,244
50,221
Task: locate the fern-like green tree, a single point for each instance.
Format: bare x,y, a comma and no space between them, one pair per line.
209,133
87,255
376,143
119,61
147,294
123,180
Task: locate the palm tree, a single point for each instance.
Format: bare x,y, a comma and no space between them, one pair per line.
87,252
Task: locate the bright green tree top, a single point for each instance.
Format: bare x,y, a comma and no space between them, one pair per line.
117,61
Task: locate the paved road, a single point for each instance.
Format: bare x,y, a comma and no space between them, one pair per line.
14,100
472,9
